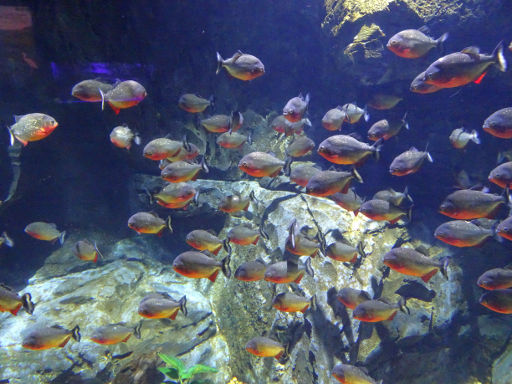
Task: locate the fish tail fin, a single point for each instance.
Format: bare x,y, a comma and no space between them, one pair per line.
500,57
308,122
356,175
444,266
309,268
98,251
500,157
62,237
27,303
313,302
7,240
196,198
360,249
429,157
307,99
225,266
136,330
169,223
185,143
183,305
474,137
440,41
227,246
366,114
102,99
75,333
211,99
262,231
407,196
402,304
204,165
220,62
287,165
404,121
377,147
11,136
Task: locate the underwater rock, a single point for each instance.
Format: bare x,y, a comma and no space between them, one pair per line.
367,43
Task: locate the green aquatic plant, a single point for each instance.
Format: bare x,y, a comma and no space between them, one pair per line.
176,371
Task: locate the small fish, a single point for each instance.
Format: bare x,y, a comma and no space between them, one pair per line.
459,138
394,197
86,251
289,302
354,113
181,171
349,201
251,271
194,104
413,263
342,252
499,124
418,85
281,125
261,164
383,129
162,306
176,195
295,108
382,210
197,265
350,374
496,278
300,245
326,183
40,338
234,203
265,347
114,333
89,90
125,94
502,175
5,239
498,300
233,140
334,118
414,43
351,297
45,231
122,137
409,162
460,233
301,174
383,101
216,123
468,204
31,127
373,311
284,272
243,235
161,148
241,66
504,228
344,149
11,301
149,223
414,290
204,241
461,68
300,146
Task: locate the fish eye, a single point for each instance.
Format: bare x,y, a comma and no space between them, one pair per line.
244,164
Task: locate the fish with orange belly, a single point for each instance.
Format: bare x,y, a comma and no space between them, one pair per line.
410,262
382,210
265,347
45,231
460,233
241,66
496,278
87,251
123,95
409,162
31,127
197,265
374,311
468,204
162,306
251,271
149,223
284,272
351,297
11,301
344,149
176,196
205,241
55,336
261,164
115,333
498,300
350,374
194,104
295,108
289,302
182,171
234,203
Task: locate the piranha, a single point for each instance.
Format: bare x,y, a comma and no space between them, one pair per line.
502,175
373,311
234,203
382,210
261,164
243,235
115,333
87,251
241,66
345,253
284,272
251,271
289,302
410,262
394,197
383,101
300,146
459,138
123,95
343,149
414,43
176,195
195,104
204,241
461,68
233,140
197,265
418,85
460,233
216,123
496,278
281,125
349,201
265,347
31,127
351,297
350,374
149,223
354,113
499,124
296,107
327,183
383,129
11,301
504,228
299,244
122,137
300,174
468,204
89,90
181,171
334,118
40,338
498,300
45,231
161,148
409,162
162,306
